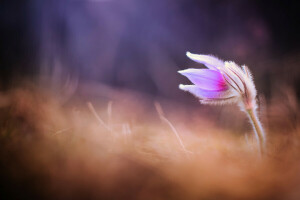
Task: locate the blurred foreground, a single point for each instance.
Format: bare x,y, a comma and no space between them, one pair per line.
127,149
112,123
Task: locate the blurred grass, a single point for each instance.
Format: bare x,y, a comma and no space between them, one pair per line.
50,150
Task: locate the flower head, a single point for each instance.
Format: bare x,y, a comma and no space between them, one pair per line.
223,82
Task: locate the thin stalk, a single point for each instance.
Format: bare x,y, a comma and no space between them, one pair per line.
258,129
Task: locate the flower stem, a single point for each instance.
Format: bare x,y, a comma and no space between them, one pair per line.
258,129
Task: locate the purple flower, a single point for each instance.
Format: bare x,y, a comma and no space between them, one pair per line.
223,82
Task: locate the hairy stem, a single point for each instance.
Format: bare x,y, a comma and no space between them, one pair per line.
258,129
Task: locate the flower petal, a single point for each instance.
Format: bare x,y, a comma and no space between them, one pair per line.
209,61
206,94
205,78
220,101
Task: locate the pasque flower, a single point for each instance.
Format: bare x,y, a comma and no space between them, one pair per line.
222,83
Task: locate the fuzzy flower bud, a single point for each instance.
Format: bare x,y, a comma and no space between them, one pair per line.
222,83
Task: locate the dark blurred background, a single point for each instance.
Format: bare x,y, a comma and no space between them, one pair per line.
140,44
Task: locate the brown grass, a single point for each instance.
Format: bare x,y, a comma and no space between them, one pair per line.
126,150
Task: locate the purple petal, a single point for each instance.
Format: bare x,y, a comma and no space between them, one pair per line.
209,61
204,94
205,78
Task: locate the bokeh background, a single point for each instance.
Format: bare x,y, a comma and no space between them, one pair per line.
71,45
90,106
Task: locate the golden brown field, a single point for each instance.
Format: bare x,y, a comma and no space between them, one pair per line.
126,148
